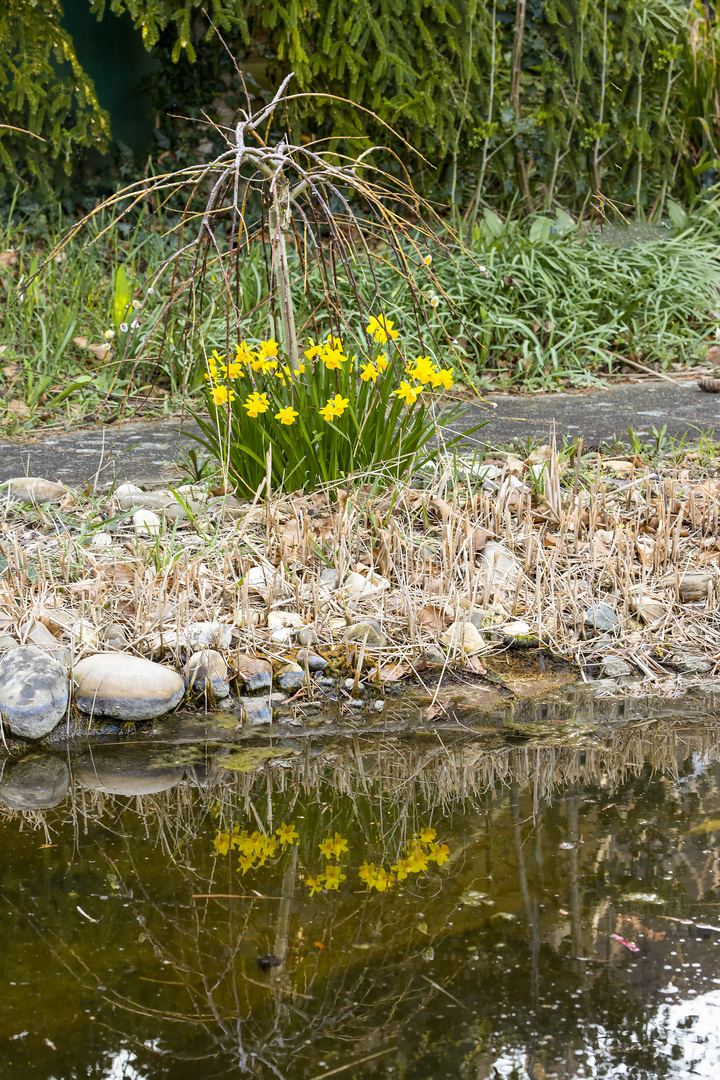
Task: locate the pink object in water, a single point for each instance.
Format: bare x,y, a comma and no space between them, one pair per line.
623,941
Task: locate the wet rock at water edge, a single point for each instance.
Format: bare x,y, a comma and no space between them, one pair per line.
256,710
34,691
127,770
125,686
368,631
307,636
314,662
290,676
38,781
256,674
519,633
614,667
208,666
601,619
36,490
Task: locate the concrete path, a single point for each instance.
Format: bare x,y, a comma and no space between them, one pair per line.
601,415
143,453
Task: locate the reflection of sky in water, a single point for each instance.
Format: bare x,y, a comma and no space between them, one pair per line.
686,1035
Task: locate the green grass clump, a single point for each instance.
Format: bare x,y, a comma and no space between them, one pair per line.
536,303
539,302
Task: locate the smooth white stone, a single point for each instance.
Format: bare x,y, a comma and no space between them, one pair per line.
37,490
146,523
125,686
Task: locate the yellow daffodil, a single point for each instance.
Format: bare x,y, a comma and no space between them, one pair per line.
222,843
401,869
326,847
287,370
416,861
439,853
443,377
381,329
221,395
382,881
422,370
368,372
268,348
333,359
426,836
333,877
267,849
335,407
314,350
366,871
287,415
382,362
243,354
287,834
257,403
340,845
407,392
234,370
315,884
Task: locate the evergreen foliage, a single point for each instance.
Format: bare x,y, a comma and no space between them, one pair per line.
551,99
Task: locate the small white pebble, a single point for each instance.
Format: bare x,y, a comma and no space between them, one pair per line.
146,523
102,540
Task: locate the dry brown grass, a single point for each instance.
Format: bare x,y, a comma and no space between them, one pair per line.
540,542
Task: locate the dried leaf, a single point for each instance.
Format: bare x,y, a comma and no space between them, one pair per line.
7,259
81,342
434,710
475,664
479,538
118,573
394,672
101,350
434,618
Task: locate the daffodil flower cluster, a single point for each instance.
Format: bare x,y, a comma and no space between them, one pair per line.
255,849
332,847
230,379
419,853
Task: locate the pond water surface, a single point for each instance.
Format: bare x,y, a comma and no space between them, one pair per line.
555,910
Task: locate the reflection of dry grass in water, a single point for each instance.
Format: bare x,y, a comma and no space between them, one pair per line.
351,976
525,555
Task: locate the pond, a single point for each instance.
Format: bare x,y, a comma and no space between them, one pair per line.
427,905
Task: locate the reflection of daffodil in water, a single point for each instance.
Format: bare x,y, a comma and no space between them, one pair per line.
426,836
333,847
333,877
222,843
287,834
314,884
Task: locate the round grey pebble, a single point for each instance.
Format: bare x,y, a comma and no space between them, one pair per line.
34,691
